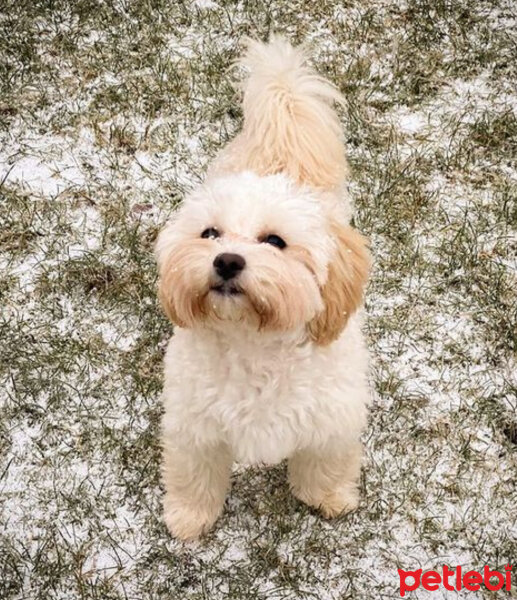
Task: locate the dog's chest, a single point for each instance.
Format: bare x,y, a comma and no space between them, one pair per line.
265,402
265,405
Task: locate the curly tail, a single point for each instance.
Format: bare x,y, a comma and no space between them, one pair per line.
289,123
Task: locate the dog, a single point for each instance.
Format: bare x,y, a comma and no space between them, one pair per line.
263,276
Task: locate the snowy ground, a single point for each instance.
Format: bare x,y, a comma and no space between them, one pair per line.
109,111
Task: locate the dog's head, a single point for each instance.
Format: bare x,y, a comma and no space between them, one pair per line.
260,252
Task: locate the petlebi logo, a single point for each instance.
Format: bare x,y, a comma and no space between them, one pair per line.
455,579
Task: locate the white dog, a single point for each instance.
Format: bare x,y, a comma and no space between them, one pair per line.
263,276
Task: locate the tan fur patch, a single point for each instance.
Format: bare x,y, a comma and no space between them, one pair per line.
347,277
183,303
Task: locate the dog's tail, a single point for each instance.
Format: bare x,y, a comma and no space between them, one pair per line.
289,122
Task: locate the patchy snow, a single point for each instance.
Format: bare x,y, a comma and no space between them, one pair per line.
206,4
411,122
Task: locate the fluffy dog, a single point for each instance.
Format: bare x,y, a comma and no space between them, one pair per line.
263,277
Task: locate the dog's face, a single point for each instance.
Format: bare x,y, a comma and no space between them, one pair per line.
259,252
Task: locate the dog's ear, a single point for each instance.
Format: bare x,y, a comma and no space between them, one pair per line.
165,297
167,273
343,291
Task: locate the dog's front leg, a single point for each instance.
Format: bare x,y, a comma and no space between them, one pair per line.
196,481
327,478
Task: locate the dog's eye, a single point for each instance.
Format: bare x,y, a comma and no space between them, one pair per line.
274,240
211,233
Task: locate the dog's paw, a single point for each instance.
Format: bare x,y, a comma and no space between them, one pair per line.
331,504
339,502
187,522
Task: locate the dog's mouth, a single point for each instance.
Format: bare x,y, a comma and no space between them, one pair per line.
226,289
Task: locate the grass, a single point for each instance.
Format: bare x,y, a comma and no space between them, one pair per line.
109,113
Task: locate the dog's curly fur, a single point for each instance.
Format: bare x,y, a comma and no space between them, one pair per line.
269,364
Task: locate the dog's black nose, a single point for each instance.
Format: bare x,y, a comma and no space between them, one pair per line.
229,265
